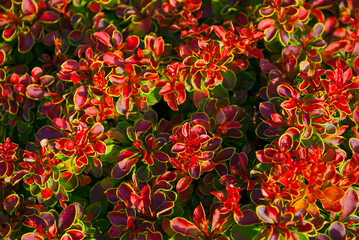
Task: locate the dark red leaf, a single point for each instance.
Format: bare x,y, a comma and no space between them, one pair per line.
11,202
161,157
185,227
183,183
354,145
67,217
2,57
26,41
71,65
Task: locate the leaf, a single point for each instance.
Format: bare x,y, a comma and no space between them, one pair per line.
26,41
185,227
249,218
350,203
354,145
262,212
60,124
229,79
103,37
337,231
118,218
49,133
81,96
11,202
35,91
159,46
132,43
244,232
29,7
67,217
49,17
333,194
31,236
183,183
76,234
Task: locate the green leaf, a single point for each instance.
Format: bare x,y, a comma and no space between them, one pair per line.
244,232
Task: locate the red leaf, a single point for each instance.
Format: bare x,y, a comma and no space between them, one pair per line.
159,46
185,227
31,236
333,194
178,147
26,41
29,7
35,91
103,37
183,183
9,32
2,57
81,96
132,43
284,37
67,217
99,147
124,192
76,234
46,193
199,216
265,23
220,32
71,65
60,124
49,17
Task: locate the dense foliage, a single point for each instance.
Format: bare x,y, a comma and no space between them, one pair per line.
179,119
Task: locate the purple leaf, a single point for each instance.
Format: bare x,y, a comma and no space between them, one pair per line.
249,218
350,203
262,212
354,145
337,231
67,217
118,218
48,133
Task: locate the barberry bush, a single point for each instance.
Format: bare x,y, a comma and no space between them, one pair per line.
179,119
